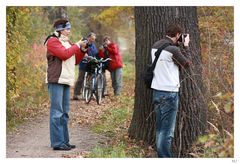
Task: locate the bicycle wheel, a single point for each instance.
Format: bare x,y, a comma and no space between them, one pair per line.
99,88
88,89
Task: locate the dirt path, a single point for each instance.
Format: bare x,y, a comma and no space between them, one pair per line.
31,139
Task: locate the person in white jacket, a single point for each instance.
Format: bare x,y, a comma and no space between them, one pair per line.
166,85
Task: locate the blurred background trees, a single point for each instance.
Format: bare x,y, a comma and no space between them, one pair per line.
27,28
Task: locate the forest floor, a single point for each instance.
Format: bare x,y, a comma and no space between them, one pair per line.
31,139
98,131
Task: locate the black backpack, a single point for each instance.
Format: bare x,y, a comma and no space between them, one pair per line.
148,74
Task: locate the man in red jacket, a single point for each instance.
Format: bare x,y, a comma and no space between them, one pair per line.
115,65
62,56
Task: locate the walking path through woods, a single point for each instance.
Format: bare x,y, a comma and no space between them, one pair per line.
31,139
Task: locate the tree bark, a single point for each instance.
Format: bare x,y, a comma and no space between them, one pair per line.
151,23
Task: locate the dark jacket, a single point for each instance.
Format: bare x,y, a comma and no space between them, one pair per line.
92,51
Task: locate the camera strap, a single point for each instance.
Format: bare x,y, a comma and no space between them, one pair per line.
157,54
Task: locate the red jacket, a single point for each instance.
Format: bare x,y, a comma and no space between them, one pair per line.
55,48
61,61
115,55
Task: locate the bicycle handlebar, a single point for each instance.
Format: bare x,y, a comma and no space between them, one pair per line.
105,60
93,59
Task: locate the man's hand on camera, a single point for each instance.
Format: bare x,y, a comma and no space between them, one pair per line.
82,44
186,40
79,43
105,45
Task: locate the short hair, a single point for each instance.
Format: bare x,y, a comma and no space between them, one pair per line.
91,34
60,21
106,38
173,29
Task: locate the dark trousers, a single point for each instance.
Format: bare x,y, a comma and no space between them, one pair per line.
166,107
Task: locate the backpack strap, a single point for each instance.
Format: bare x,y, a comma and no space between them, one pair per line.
55,34
157,54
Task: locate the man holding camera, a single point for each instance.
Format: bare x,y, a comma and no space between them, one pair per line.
115,64
91,51
166,85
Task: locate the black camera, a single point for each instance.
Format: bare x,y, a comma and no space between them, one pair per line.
182,38
87,42
104,45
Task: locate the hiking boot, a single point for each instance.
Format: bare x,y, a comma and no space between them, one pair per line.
63,147
75,98
71,146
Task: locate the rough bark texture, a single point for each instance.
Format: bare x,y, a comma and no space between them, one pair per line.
151,23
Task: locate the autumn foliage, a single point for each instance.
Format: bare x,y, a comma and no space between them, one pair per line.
25,64
27,96
216,27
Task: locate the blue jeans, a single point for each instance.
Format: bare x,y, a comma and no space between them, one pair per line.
60,100
166,106
116,77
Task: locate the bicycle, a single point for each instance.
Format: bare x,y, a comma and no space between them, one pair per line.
94,80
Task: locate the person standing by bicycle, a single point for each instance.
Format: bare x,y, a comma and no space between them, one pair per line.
91,51
103,53
115,64
62,56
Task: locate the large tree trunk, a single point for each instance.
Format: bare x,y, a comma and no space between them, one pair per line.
151,23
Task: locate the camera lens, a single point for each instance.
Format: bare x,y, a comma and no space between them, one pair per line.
180,38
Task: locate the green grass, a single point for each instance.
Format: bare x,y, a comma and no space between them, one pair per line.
25,107
215,146
115,120
129,72
115,151
112,124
